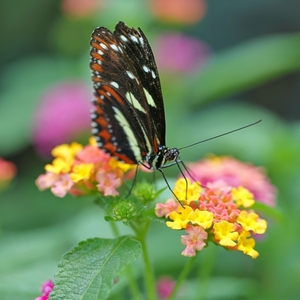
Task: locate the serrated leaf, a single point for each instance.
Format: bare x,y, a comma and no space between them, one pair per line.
88,271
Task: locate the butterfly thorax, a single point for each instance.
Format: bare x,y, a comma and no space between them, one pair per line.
164,155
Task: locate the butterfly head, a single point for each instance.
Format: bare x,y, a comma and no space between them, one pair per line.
164,157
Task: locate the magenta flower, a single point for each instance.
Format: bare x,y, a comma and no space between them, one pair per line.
165,287
225,170
46,289
64,113
176,52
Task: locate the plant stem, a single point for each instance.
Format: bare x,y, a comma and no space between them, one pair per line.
205,272
149,274
188,266
114,229
135,292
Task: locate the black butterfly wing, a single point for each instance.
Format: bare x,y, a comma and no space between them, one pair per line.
128,120
140,53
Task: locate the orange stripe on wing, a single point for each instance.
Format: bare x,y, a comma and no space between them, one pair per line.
96,67
114,94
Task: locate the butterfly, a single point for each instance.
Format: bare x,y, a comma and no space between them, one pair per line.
128,121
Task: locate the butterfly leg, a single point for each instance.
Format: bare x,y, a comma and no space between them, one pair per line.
133,182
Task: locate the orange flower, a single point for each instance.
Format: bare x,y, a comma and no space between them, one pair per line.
179,11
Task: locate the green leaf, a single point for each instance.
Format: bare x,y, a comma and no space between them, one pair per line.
88,271
243,67
271,211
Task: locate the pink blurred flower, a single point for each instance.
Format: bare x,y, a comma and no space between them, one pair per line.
7,172
164,209
165,287
227,170
63,113
178,11
81,8
46,289
177,52
108,182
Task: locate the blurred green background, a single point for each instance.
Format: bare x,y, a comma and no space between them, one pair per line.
246,68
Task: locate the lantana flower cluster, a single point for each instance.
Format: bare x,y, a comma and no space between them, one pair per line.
79,170
217,213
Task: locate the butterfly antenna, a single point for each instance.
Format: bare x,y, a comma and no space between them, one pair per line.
217,136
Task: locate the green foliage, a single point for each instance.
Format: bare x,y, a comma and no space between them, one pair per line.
89,270
37,228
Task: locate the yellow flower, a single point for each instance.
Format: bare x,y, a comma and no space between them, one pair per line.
246,245
180,218
64,156
59,165
185,215
66,151
202,218
242,197
115,164
92,141
185,190
82,171
251,221
225,234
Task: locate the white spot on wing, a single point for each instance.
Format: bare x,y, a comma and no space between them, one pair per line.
113,46
124,38
153,74
94,130
141,41
146,69
100,52
103,46
114,84
134,39
130,75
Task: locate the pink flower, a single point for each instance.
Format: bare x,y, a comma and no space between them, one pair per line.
164,209
64,112
194,240
176,52
7,172
108,182
178,11
165,287
229,171
91,155
81,8
60,184
46,181
46,289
